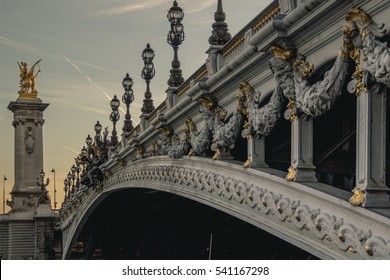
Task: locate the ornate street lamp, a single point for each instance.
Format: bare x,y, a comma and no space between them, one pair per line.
78,170
4,179
127,98
98,129
114,117
55,190
84,151
41,183
69,178
175,37
73,170
88,140
147,74
66,188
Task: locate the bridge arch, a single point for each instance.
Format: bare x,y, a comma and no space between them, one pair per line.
299,214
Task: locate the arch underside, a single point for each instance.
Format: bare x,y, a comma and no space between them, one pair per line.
305,216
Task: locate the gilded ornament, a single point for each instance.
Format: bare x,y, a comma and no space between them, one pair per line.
247,163
368,250
216,154
207,103
165,131
291,106
292,173
358,197
341,236
281,53
353,16
304,68
27,81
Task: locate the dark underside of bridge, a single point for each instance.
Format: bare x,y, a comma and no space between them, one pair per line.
145,224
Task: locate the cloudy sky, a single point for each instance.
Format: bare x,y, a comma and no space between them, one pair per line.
87,47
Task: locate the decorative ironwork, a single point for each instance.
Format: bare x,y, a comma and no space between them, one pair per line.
174,38
127,98
114,117
44,197
147,74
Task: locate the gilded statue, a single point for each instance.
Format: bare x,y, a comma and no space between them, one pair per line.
28,79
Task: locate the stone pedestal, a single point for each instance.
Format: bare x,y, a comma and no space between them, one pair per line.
256,152
302,151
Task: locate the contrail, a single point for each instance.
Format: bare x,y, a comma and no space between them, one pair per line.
25,19
72,150
67,59
89,79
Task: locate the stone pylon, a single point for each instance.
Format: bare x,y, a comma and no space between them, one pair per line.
28,122
26,231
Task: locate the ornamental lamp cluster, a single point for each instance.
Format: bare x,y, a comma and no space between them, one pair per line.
96,150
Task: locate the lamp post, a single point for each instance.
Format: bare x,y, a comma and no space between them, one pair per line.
148,72
69,178
127,98
98,129
78,170
114,117
73,170
55,190
88,140
4,179
41,183
66,188
174,38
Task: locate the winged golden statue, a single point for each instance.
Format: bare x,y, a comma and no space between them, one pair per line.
27,82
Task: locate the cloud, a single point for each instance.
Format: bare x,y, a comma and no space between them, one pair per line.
200,5
189,6
139,5
15,44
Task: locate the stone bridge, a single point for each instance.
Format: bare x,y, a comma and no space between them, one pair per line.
283,127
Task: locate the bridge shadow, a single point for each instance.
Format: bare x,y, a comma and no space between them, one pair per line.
144,224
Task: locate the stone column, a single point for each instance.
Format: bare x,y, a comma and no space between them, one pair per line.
302,168
371,147
28,122
256,152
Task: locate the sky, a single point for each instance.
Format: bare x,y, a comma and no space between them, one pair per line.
87,47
